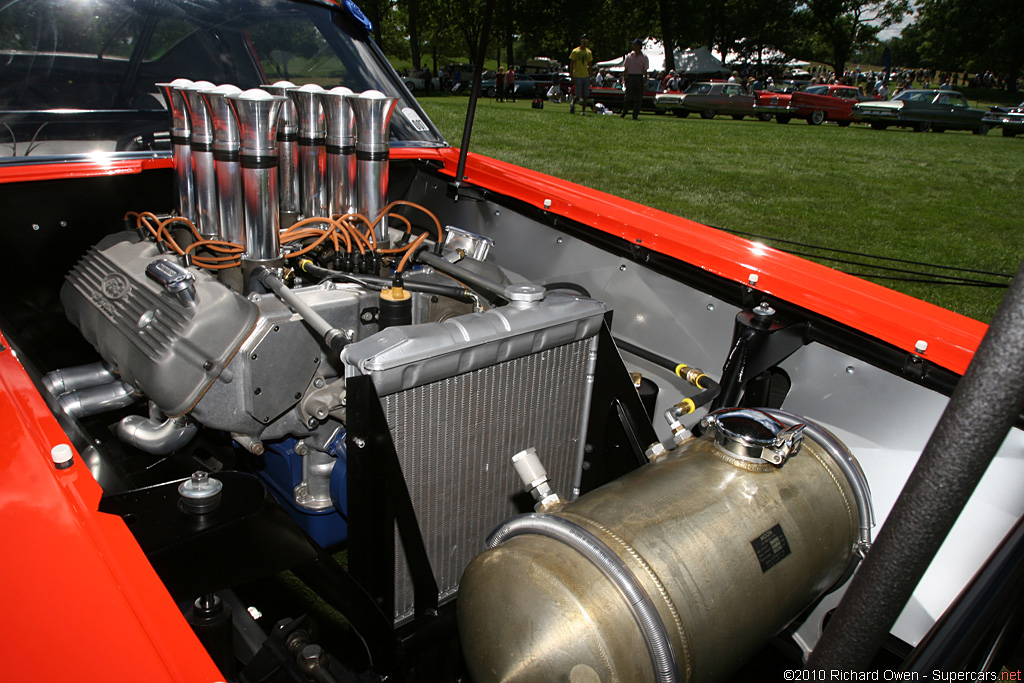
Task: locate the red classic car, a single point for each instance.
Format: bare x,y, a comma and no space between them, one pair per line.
613,98
820,103
293,390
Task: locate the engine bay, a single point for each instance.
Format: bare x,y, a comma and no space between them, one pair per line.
367,424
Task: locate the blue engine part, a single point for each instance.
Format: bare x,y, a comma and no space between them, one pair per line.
282,471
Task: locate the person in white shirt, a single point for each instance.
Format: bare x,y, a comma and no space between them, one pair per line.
634,68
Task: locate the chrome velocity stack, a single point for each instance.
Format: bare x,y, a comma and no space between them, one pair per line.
311,149
372,110
181,129
226,142
257,112
341,150
207,220
287,153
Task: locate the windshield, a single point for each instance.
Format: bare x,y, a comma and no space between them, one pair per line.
79,76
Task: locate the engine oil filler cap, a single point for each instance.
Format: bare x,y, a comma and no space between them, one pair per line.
753,435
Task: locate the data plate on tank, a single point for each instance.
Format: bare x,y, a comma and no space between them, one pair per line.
401,358
771,547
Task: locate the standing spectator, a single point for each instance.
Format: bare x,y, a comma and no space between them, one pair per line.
634,67
882,91
510,83
427,78
581,61
499,85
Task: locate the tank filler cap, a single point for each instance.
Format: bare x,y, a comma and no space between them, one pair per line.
753,435
525,295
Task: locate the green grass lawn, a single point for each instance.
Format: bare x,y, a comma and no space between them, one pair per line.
951,199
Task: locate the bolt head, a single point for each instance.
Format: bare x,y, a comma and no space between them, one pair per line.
921,346
656,450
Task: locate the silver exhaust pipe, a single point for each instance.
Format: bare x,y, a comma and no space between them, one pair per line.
311,149
61,381
208,222
342,197
157,435
226,142
181,150
372,110
257,112
287,153
101,398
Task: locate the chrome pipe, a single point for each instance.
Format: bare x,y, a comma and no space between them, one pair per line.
342,197
98,399
207,220
372,110
226,141
287,153
257,112
181,151
61,381
154,436
312,155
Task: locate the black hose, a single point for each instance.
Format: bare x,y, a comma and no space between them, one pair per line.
571,286
980,413
378,282
493,291
710,387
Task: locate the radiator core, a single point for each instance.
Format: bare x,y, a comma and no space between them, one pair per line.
455,439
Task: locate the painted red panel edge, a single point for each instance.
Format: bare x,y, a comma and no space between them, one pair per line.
888,315
93,168
81,601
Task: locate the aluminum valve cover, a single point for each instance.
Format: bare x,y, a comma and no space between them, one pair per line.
168,349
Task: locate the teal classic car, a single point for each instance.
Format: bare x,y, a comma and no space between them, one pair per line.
923,110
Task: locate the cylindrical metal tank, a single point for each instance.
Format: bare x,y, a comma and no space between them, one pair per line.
680,570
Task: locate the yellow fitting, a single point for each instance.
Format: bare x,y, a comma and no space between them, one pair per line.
395,294
680,368
686,406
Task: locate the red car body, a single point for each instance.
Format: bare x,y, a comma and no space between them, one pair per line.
821,103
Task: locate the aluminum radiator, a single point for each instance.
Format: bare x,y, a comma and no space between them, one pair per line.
455,439
461,397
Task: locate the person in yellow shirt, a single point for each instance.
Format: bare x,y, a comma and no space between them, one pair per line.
581,68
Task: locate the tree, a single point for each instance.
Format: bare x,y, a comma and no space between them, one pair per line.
984,34
830,31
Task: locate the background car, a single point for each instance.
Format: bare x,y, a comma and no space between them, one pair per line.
923,110
820,103
525,86
613,98
710,99
1011,119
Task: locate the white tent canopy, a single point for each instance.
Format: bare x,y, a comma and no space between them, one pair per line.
695,61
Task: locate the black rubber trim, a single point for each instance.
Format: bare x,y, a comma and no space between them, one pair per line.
268,161
201,146
225,155
363,155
